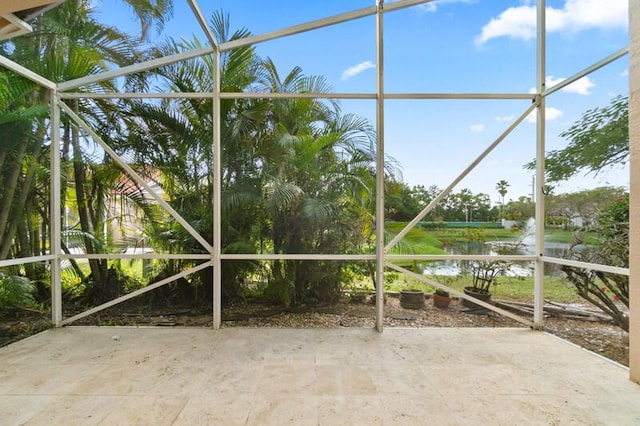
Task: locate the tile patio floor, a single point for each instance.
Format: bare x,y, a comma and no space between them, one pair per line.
240,376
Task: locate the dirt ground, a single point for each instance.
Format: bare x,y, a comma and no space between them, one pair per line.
605,339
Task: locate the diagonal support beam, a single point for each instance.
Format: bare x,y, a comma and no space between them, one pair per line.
577,76
27,73
136,293
155,63
135,68
457,180
455,292
135,176
197,12
320,23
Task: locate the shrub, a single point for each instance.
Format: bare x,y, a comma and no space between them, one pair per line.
16,291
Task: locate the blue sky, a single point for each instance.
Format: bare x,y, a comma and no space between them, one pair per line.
447,46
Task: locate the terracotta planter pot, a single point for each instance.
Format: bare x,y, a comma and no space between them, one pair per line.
441,302
484,297
412,299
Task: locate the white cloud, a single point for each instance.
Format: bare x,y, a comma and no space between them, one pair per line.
505,118
551,114
580,87
476,128
433,5
576,15
624,73
356,69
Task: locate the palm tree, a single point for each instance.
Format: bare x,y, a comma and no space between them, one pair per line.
20,145
297,174
67,43
502,186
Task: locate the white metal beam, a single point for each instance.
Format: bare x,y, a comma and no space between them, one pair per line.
293,256
197,12
538,274
577,76
297,29
151,256
477,96
308,26
55,206
135,68
513,258
634,192
24,260
281,95
585,265
403,4
137,95
289,95
457,180
27,73
136,177
319,23
216,210
380,166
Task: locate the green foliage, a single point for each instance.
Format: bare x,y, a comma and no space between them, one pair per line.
586,205
599,140
417,240
609,292
614,218
517,289
519,210
16,291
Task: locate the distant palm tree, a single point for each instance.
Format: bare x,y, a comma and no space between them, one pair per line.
502,186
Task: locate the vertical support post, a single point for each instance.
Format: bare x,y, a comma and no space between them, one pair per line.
538,290
217,195
634,204
380,254
55,232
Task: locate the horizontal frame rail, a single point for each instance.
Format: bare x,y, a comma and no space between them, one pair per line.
25,260
298,256
466,96
152,256
292,256
287,95
585,265
512,258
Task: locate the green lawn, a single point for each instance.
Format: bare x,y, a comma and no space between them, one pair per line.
440,237
555,235
515,289
460,235
417,241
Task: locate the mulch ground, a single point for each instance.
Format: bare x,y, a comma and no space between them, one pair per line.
603,338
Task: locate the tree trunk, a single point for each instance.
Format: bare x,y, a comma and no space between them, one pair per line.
98,267
15,208
7,200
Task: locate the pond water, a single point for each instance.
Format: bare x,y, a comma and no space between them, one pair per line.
522,247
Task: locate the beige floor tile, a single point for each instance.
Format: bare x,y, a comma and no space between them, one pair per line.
346,376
